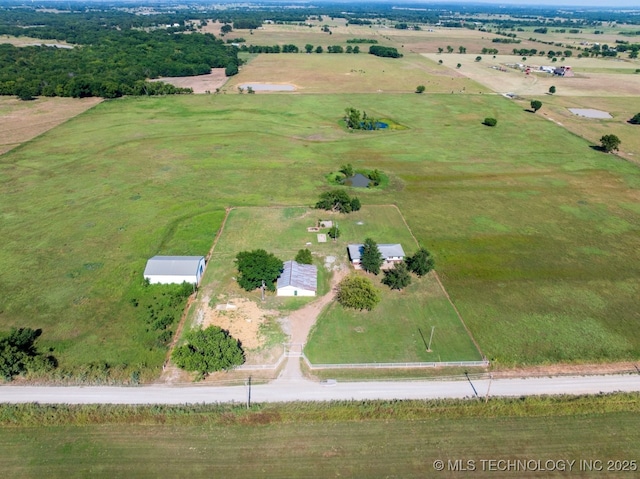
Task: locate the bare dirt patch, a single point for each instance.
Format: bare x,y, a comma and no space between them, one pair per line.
198,83
241,317
20,121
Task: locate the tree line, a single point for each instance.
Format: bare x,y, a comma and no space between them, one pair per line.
119,64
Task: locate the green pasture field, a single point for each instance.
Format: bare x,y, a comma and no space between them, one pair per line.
535,233
346,439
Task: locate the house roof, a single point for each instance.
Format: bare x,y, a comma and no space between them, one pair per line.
386,250
303,276
172,265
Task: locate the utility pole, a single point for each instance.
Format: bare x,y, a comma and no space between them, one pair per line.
247,383
430,339
486,397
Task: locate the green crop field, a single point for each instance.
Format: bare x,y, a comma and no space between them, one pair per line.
535,234
346,439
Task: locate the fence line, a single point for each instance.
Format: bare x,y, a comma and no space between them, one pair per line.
432,364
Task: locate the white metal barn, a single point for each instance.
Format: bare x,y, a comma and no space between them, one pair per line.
174,269
298,280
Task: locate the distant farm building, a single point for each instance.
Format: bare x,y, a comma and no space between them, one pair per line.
298,280
563,71
391,253
174,269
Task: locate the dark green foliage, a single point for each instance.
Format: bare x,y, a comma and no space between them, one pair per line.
420,89
337,200
308,48
552,90
490,121
362,40
208,350
304,256
334,232
347,170
18,353
257,266
375,176
397,277
536,105
388,52
610,143
231,69
110,63
358,292
420,263
226,29
357,121
371,258
635,120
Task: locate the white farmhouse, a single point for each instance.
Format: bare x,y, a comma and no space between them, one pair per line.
391,253
174,269
298,279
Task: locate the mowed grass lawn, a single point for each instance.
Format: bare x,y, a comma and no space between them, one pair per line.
383,439
535,234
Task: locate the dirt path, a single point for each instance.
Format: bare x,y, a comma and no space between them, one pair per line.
300,323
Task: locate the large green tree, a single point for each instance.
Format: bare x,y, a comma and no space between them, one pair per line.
304,256
208,350
421,262
397,277
635,120
609,143
18,353
358,292
338,200
371,258
257,266
536,105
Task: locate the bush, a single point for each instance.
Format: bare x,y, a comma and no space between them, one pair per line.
304,257
420,89
208,350
334,232
358,292
635,120
490,121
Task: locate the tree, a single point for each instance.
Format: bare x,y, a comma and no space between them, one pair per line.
337,200
421,262
347,170
18,353
319,49
208,350
478,58
357,292
250,90
304,256
257,266
449,49
420,89
398,277
334,232
635,120
458,65
536,105
462,49
371,258
552,90
490,121
308,48
440,49
356,49
610,143
226,28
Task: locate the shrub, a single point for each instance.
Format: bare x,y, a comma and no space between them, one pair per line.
304,257
208,350
635,120
490,121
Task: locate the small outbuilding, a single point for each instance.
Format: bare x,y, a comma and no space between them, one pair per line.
391,253
174,269
298,279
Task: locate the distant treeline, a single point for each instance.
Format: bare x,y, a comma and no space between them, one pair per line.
381,51
362,40
119,64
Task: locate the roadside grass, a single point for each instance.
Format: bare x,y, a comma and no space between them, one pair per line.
510,213
365,439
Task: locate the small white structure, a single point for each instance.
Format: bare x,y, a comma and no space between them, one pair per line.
298,279
391,253
174,269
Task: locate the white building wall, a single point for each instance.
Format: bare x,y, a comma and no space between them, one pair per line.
159,279
291,291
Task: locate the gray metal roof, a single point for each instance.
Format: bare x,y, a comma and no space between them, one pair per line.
303,276
386,250
173,265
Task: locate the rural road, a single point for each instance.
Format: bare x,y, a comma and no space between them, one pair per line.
284,390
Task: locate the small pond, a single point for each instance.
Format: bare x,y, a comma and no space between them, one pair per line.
358,180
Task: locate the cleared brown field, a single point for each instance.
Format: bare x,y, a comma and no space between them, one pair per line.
20,121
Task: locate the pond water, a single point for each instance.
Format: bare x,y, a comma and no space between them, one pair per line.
590,113
358,180
268,87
